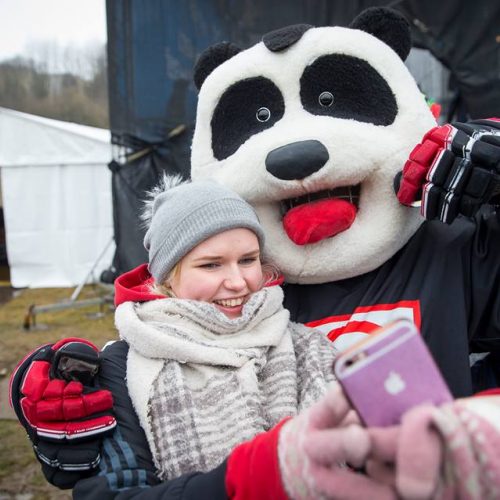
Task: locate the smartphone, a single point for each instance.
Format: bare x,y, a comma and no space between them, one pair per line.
388,373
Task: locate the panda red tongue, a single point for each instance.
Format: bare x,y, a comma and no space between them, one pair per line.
313,222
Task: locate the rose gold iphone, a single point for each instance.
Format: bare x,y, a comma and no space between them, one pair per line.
388,373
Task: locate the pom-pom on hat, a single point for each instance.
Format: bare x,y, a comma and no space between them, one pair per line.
183,214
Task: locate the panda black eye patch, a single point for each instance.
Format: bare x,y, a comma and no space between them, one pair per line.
347,87
246,108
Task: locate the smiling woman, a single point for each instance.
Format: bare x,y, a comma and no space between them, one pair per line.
210,338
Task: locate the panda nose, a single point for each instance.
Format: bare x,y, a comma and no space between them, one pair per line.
296,160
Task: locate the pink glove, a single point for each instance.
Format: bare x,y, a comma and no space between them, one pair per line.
444,453
314,448
408,456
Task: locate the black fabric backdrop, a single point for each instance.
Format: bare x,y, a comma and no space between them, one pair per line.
153,45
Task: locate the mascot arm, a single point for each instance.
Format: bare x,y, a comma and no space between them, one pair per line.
266,466
56,396
454,170
101,455
482,262
126,469
136,483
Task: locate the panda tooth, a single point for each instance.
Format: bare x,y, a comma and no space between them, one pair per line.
350,193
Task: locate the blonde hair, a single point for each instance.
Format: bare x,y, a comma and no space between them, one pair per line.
270,273
164,288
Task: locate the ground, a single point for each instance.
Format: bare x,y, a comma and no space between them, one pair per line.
20,475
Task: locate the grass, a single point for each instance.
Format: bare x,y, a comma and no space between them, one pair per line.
19,471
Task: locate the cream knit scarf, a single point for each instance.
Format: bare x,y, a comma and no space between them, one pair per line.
202,383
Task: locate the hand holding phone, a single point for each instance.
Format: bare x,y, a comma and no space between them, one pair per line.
390,372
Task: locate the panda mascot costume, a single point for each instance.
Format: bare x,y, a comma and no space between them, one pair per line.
371,212
312,126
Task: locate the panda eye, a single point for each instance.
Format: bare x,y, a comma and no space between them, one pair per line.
325,99
263,114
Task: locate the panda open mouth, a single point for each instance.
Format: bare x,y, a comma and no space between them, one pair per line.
316,216
349,193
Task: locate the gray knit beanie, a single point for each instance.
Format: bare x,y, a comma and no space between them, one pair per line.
189,213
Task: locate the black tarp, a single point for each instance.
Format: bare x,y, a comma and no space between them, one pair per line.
130,182
153,45
465,37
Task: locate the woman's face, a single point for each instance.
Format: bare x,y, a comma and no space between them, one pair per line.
223,270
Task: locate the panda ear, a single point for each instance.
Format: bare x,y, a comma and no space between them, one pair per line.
212,57
387,25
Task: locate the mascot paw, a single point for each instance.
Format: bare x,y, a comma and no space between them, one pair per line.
453,171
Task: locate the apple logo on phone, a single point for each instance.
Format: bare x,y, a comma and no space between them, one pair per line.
394,383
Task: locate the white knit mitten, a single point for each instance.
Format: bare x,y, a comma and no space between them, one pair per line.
448,452
314,447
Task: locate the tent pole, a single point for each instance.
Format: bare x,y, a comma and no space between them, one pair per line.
78,289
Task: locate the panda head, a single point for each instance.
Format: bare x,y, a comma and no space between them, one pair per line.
311,126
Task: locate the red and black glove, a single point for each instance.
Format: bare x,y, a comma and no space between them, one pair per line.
454,171
55,395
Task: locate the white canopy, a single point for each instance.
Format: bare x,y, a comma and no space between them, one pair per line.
56,191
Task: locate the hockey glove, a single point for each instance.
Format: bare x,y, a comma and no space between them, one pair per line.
56,398
454,171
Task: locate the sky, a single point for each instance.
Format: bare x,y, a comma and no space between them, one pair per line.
76,23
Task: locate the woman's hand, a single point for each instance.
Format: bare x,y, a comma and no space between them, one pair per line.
315,447
447,452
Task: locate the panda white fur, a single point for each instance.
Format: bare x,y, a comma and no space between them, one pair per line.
263,130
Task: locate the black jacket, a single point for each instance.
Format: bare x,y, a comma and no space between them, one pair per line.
447,277
126,467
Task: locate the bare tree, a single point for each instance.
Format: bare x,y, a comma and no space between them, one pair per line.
64,82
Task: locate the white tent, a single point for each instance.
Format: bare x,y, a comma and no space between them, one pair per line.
56,191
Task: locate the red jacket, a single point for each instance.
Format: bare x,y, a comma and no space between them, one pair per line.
135,286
